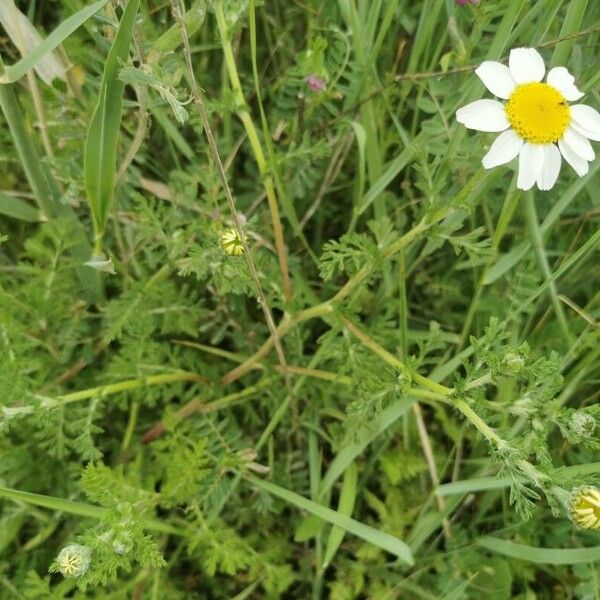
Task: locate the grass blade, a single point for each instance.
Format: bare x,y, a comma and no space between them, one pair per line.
391,171
485,484
363,438
100,160
14,207
544,556
571,24
77,508
376,537
26,38
63,31
345,507
510,259
544,265
588,247
43,187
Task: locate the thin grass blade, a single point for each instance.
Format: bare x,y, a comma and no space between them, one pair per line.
374,536
363,438
345,507
77,508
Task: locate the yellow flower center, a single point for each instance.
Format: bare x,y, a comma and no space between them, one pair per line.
585,508
538,113
231,243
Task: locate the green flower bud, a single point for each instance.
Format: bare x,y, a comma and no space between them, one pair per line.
582,424
74,560
513,363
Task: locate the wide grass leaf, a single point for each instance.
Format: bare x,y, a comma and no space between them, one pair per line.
63,31
11,206
100,160
547,556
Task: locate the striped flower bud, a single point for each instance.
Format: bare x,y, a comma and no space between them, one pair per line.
231,243
74,560
584,507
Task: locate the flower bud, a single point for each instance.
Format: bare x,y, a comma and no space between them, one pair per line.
74,560
582,424
231,243
315,83
513,363
121,546
584,507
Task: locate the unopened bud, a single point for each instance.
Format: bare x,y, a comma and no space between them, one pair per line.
74,560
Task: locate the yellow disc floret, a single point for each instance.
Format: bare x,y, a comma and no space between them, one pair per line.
231,242
538,112
584,507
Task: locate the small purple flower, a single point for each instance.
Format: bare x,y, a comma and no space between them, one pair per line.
315,83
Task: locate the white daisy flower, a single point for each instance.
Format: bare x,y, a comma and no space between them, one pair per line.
537,123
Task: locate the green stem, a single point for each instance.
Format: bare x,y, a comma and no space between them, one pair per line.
403,306
131,423
483,380
198,406
327,307
443,391
370,343
508,208
255,144
103,390
479,423
538,245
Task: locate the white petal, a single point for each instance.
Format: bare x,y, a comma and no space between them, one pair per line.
550,168
580,165
586,120
526,65
578,143
496,78
505,147
564,82
531,161
483,115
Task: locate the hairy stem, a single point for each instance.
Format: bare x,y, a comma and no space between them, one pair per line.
199,103
259,155
103,390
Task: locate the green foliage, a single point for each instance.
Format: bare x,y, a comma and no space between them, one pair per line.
158,439
356,250
118,541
